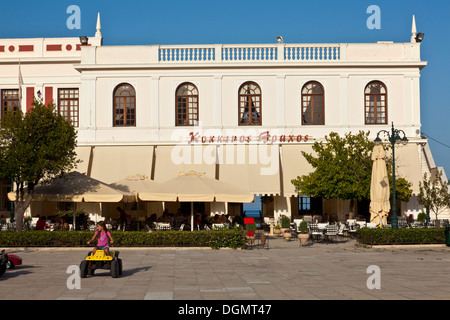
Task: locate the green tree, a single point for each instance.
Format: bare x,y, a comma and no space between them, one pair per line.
35,147
343,169
433,194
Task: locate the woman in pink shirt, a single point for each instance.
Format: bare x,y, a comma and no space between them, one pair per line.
104,238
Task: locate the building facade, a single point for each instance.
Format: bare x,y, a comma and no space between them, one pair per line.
238,113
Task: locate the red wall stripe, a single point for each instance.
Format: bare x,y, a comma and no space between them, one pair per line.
54,47
2,48
48,95
26,48
30,97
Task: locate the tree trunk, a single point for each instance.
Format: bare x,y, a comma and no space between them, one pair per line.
20,206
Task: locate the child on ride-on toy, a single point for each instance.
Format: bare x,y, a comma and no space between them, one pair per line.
103,239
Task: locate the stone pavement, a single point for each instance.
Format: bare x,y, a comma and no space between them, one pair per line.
285,271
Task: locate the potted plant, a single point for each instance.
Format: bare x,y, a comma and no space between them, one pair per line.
277,230
303,234
250,228
287,234
285,223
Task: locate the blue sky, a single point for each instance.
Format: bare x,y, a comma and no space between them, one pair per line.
244,21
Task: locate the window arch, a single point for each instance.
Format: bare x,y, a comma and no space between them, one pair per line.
313,104
375,96
186,105
250,107
124,105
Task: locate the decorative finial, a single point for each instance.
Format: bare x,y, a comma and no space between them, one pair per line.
413,31
98,34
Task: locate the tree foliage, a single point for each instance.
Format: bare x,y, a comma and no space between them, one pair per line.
433,194
35,147
343,169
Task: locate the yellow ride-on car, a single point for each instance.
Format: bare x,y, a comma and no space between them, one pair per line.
100,260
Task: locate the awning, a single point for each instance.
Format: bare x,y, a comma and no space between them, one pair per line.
407,162
293,164
111,164
255,168
83,154
171,160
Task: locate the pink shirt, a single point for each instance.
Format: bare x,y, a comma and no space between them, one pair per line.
103,240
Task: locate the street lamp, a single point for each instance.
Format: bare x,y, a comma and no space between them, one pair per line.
394,137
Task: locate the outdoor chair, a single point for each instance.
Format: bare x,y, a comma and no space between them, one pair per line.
331,232
342,230
402,223
315,233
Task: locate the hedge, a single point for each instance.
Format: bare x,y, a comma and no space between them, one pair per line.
213,238
382,236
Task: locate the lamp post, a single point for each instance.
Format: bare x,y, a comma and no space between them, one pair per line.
395,137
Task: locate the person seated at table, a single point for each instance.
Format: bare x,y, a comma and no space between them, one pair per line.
149,221
216,219
197,221
41,224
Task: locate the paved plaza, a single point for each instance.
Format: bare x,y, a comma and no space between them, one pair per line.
285,271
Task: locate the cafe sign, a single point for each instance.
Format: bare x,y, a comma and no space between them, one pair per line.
264,137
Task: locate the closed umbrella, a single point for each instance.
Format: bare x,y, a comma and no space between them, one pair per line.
196,187
379,188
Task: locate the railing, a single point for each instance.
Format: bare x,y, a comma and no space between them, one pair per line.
249,53
312,53
186,54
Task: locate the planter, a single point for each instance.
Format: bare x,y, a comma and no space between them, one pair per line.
287,235
250,239
303,237
263,240
277,231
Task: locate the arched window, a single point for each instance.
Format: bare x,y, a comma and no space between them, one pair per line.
250,112
375,96
186,105
124,105
313,104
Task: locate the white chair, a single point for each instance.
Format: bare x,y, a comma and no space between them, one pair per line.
341,230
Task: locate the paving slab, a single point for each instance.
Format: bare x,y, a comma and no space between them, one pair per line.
285,271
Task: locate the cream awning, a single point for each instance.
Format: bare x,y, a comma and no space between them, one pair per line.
83,154
171,160
407,162
113,163
293,164
255,168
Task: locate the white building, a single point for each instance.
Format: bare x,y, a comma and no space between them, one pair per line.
142,109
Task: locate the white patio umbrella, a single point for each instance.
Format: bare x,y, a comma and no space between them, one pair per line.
196,187
74,187
379,188
131,186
